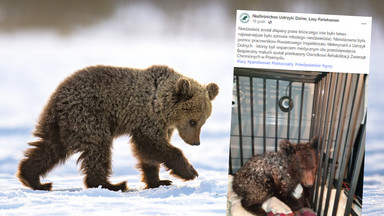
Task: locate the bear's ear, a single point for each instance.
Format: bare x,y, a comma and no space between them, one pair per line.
287,147
183,89
314,143
213,90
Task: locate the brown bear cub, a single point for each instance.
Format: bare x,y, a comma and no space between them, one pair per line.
99,103
276,174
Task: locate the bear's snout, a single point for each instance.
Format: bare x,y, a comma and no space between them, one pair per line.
190,135
191,140
308,178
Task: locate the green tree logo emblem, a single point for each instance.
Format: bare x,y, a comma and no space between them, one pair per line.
244,17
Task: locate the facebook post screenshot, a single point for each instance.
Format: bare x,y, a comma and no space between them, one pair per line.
299,114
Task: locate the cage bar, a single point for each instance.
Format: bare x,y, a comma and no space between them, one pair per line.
239,119
264,115
336,147
252,123
345,155
301,111
277,115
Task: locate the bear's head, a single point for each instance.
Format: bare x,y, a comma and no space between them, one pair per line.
193,107
304,159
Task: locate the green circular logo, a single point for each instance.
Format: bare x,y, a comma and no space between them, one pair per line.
244,17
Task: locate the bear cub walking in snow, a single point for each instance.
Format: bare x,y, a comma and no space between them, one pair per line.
276,174
99,103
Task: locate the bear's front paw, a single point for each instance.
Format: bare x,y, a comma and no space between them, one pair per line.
165,182
158,184
186,173
192,173
46,187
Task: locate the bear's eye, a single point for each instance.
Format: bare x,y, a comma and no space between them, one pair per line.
192,123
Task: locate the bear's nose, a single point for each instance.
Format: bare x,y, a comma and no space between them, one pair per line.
196,143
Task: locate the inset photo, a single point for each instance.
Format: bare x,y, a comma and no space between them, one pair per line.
299,113
297,142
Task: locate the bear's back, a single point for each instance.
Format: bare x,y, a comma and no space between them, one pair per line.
266,170
116,98
267,165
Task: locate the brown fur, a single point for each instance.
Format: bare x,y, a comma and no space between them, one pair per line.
277,174
97,104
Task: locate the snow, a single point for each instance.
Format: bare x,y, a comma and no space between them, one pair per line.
204,196
373,199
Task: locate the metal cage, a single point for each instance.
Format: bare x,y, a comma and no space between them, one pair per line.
271,105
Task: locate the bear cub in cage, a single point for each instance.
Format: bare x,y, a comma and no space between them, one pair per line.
276,174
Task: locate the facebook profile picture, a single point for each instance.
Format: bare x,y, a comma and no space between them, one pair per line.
244,17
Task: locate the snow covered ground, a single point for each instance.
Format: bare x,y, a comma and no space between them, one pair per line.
206,195
373,199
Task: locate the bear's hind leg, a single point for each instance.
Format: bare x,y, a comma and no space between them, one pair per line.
97,167
151,175
40,160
